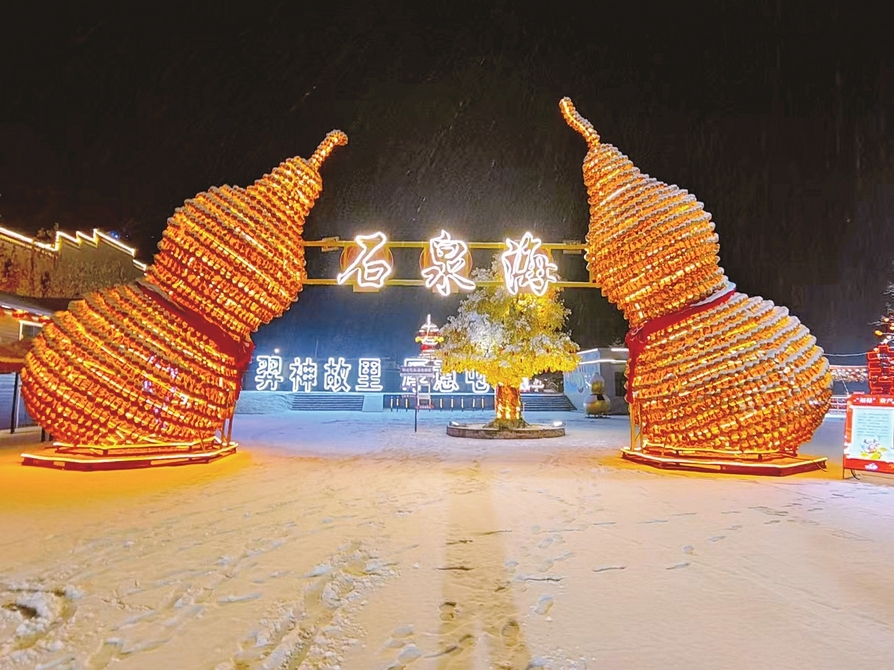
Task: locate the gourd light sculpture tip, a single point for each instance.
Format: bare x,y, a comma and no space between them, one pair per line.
578,122
335,138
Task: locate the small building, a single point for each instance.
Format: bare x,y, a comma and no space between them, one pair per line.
39,278
611,364
20,320
69,267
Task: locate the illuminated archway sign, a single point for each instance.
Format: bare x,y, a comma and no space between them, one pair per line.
369,263
527,266
158,364
446,263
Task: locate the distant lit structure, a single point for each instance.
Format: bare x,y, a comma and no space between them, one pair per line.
68,267
429,338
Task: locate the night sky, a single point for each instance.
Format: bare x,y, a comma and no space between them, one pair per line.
774,114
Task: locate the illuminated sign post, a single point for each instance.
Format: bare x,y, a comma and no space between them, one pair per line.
418,372
869,433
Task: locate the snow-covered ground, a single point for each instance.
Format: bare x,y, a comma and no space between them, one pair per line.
347,540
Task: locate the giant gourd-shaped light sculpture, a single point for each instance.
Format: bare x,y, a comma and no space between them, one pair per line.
160,360
712,372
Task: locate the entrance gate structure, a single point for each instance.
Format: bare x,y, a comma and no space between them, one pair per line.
150,371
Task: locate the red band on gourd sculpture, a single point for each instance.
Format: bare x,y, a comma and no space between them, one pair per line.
637,338
240,351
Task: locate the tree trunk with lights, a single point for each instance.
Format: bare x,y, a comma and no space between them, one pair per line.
508,406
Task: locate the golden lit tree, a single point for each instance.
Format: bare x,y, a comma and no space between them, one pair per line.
506,338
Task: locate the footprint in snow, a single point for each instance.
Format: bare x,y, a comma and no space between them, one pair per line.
544,605
320,570
448,610
678,565
510,632
402,631
223,600
409,653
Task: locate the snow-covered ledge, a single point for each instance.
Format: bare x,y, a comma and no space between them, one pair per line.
264,402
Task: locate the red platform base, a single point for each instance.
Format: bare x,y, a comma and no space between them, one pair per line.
125,456
778,467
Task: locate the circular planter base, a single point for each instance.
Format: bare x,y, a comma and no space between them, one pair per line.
478,431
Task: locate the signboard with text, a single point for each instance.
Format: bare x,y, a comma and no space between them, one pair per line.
869,433
337,374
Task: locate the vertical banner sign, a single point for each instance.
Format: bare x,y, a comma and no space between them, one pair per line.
869,433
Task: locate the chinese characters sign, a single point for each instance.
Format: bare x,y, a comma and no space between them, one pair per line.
336,377
442,382
527,266
362,375
446,264
304,374
369,375
269,374
368,264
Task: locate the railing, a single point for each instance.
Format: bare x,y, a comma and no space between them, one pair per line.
849,373
839,405
407,401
